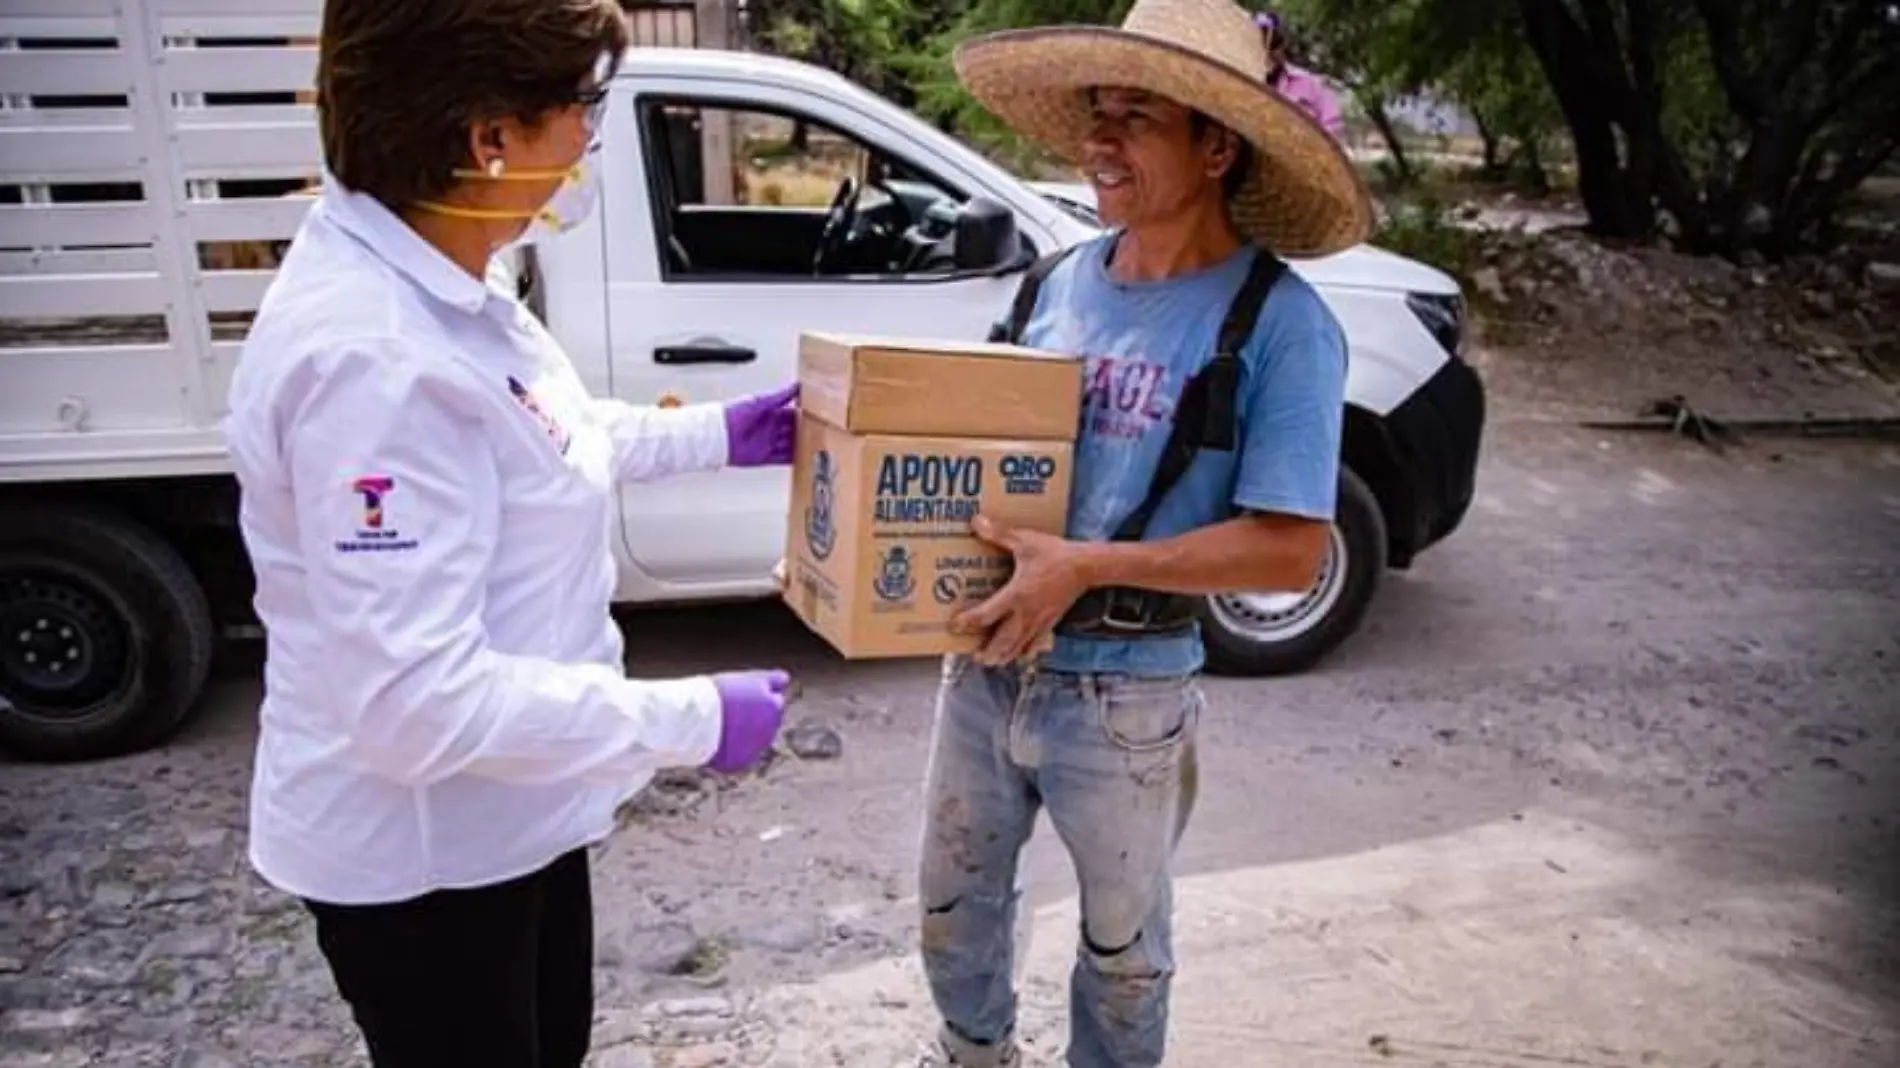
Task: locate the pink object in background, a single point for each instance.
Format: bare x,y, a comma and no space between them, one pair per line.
1301,86
1311,92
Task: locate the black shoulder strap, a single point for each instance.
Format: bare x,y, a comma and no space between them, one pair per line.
1011,330
1207,416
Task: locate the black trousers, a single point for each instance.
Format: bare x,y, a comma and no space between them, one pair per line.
499,976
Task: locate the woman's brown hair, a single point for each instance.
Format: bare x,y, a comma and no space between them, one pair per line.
400,82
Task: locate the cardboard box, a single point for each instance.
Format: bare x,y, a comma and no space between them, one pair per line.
879,554
942,389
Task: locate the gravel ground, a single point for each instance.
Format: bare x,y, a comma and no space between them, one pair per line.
1609,780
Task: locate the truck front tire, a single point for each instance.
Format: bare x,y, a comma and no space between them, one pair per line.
1282,634
105,635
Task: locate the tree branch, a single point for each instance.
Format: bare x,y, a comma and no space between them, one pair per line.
1642,48
1381,121
1861,84
1602,24
1816,198
1799,30
1577,78
1672,180
1610,66
1854,30
1743,88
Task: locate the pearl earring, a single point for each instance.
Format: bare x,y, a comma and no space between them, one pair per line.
495,167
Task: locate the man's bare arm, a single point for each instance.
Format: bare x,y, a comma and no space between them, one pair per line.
1261,552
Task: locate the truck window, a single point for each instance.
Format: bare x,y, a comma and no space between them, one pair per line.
742,192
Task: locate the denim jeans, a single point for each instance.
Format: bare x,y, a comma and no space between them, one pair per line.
1112,758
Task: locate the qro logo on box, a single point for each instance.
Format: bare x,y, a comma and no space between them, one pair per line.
1027,474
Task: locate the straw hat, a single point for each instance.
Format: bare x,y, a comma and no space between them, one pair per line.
1302,197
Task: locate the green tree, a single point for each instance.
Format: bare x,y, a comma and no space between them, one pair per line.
1746,122
867,41
933,77
1737,124
1498,81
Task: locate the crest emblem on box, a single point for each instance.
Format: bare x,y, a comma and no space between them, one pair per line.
821,532
894,580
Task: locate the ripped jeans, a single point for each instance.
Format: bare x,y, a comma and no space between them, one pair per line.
1112,758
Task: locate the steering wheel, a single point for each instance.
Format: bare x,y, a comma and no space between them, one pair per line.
838,221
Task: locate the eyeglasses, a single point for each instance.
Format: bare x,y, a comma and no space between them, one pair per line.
598,81
594,100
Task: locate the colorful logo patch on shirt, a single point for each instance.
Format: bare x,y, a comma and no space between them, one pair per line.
372,488
532,403
373,530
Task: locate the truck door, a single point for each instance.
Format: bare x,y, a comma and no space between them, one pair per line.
741,181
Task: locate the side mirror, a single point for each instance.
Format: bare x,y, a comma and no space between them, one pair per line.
986,237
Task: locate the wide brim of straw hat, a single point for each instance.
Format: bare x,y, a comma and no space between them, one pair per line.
1302,197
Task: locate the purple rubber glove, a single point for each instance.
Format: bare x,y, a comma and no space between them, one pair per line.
751,707
760,428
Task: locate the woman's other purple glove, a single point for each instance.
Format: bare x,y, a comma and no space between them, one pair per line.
760,428
751,706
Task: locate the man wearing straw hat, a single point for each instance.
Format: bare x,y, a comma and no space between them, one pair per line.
1207,461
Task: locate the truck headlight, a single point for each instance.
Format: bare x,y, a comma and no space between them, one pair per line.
1443,315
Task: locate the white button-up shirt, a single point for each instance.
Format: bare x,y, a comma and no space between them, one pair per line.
428,502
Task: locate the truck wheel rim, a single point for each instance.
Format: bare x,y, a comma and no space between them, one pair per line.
1279,617
63,647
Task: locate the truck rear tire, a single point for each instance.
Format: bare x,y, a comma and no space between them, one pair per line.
1282,634
105,635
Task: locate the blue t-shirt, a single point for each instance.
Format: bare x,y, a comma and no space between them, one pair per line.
1142,342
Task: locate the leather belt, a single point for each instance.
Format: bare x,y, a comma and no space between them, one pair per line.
1127,612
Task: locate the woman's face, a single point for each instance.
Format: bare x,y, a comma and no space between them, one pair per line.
537,155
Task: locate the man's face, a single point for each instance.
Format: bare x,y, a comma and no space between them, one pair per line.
1146,159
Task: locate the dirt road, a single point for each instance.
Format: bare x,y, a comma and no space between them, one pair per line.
1609,781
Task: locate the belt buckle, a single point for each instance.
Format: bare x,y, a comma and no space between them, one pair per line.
1139,616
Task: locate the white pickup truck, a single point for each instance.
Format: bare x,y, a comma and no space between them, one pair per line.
155,155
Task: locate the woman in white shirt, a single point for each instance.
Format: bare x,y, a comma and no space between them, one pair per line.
428,502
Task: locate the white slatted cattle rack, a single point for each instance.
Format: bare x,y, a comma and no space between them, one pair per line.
155,155
146,150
